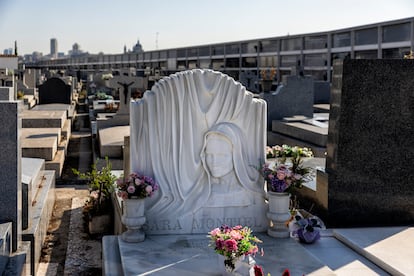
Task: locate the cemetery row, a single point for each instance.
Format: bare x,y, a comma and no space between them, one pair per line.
36,127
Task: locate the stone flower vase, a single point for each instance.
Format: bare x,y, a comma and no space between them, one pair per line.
133,218
278,214
243,265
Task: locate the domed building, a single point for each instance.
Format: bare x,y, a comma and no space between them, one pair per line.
137,48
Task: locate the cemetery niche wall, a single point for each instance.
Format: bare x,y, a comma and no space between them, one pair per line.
199,133
370,149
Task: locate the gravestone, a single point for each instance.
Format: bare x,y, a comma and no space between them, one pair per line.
370,149
294,96
111,131
249,80
6,93
199,133
322,91
6,78
10,158
55,90
29,78
124,85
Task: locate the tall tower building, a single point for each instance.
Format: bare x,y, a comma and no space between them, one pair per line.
53,48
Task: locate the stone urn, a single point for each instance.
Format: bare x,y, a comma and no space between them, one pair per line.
278,214
133,218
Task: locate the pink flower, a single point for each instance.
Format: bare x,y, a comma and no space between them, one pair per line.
281,174
253,250
230,245
215,232
234,234
138,181
148,189
131,189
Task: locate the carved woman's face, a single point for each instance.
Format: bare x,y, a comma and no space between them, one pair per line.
219,157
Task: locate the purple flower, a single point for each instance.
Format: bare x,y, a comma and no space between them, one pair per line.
131,189
278,186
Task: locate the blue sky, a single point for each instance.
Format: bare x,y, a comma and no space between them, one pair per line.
107,25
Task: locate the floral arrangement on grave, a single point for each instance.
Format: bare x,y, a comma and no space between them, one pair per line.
101,185
410,55
102,96
233,243
306,229
268,74
283,177
136,185
107,76
284,151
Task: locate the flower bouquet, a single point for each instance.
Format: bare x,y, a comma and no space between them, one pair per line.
136,186
306,229
285,151
283,178
233,243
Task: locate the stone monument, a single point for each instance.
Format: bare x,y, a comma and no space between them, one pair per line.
370,143
294,96
55,90
10,158
200,134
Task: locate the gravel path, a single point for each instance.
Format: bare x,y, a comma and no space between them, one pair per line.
68,249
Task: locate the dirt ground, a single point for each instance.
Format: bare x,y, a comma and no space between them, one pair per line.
68,249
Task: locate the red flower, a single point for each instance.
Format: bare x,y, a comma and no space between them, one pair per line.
258,270
231,245
286,272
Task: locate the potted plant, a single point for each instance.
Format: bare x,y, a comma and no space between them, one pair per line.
133,189
233,244
97,211
282,178
287,171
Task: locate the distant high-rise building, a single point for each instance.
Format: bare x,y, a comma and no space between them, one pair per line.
8,51
53,48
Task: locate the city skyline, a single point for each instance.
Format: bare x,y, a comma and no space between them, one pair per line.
107,26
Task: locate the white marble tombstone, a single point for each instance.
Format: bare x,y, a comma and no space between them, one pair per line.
200,134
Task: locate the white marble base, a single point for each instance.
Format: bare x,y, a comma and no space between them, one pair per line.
190,255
